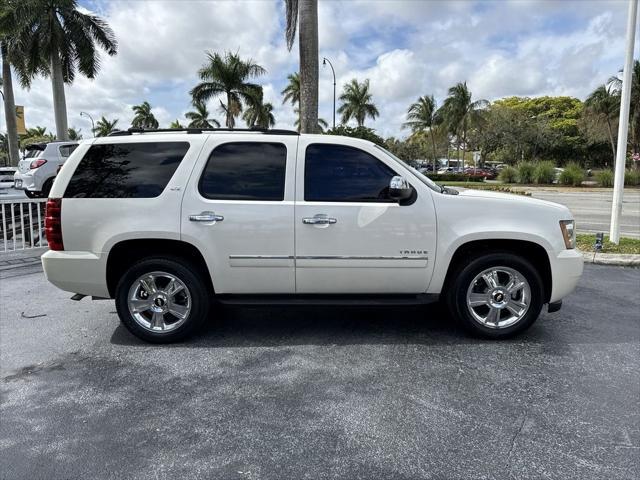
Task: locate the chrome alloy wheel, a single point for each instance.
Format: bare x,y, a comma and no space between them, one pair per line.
498,297
159,302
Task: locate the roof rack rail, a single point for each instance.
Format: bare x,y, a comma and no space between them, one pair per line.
265,131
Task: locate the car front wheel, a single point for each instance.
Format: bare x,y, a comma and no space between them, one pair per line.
161,301
497,295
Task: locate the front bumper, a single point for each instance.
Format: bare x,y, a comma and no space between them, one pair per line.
566,270
77,272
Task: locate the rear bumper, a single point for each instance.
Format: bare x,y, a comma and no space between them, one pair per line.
77,272
29,182
566,270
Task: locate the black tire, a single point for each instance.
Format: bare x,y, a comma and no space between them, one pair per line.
31,194
46,188
200,298
456,295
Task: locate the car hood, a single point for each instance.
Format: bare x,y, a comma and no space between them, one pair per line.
511,198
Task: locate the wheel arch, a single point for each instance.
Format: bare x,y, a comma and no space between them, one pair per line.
529,250
126,252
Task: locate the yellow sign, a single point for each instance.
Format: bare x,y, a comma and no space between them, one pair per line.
20,119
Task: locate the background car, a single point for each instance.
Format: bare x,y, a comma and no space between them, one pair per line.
6,176
39,167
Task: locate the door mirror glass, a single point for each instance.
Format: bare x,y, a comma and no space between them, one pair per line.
399,188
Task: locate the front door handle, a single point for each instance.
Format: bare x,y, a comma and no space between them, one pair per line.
206,217
320,219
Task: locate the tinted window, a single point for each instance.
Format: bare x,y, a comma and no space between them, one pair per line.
245,171
67,150
337,173
126,170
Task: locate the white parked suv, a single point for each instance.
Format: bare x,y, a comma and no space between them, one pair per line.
39,167
166,223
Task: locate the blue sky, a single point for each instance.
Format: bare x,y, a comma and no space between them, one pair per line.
406,49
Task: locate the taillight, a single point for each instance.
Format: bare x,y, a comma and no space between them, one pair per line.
53,223
37,163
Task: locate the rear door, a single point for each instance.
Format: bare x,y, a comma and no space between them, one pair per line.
238,209
350,236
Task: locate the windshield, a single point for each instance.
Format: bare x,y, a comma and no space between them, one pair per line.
423,178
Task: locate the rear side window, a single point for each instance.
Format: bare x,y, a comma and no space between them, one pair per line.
67,150
245,171
338,173
126,170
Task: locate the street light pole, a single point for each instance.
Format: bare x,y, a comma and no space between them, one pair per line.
623,126
93,127
325,60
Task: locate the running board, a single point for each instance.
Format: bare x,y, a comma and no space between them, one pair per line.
340,300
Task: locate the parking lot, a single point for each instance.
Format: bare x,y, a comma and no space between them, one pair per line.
291,392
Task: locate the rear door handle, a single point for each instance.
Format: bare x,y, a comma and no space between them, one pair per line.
320,219
206,217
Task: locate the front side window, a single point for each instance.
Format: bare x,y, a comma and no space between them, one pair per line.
126,170
245,171
338,173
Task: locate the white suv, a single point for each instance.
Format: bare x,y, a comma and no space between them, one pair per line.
39,167
166,223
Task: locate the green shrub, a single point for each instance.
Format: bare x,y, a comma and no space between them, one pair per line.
544,172
573,174
454,177
508,175
605,178
525,172
632,178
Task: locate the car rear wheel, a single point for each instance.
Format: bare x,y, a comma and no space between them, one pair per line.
496,295
162,300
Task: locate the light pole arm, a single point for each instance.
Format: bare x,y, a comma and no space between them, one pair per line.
325,59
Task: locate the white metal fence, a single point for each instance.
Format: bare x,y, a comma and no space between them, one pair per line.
22,224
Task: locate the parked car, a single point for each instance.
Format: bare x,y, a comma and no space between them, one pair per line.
169,223
6,176
39,167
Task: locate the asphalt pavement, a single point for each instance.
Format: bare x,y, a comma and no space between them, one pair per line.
293,393
592,209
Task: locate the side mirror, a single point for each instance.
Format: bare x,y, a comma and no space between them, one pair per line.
399,189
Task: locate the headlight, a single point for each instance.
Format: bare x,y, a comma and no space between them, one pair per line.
568,228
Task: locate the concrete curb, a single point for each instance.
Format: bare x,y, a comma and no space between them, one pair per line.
616,259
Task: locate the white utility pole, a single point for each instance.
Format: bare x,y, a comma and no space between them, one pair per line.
623,125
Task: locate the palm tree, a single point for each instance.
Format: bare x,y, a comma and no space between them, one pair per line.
305,12
229,76
9,107
634,110
356,102
200,117
320,128
176,124
421,116
144,117
604,104
460,113
259,115
75,134
67,38
104,127
291,93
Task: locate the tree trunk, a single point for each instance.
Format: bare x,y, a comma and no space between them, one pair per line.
229,120
308,45
613,143
435,153
59,101
464,147
10,110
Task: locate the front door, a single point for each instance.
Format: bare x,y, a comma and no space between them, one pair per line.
238,210
350,236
